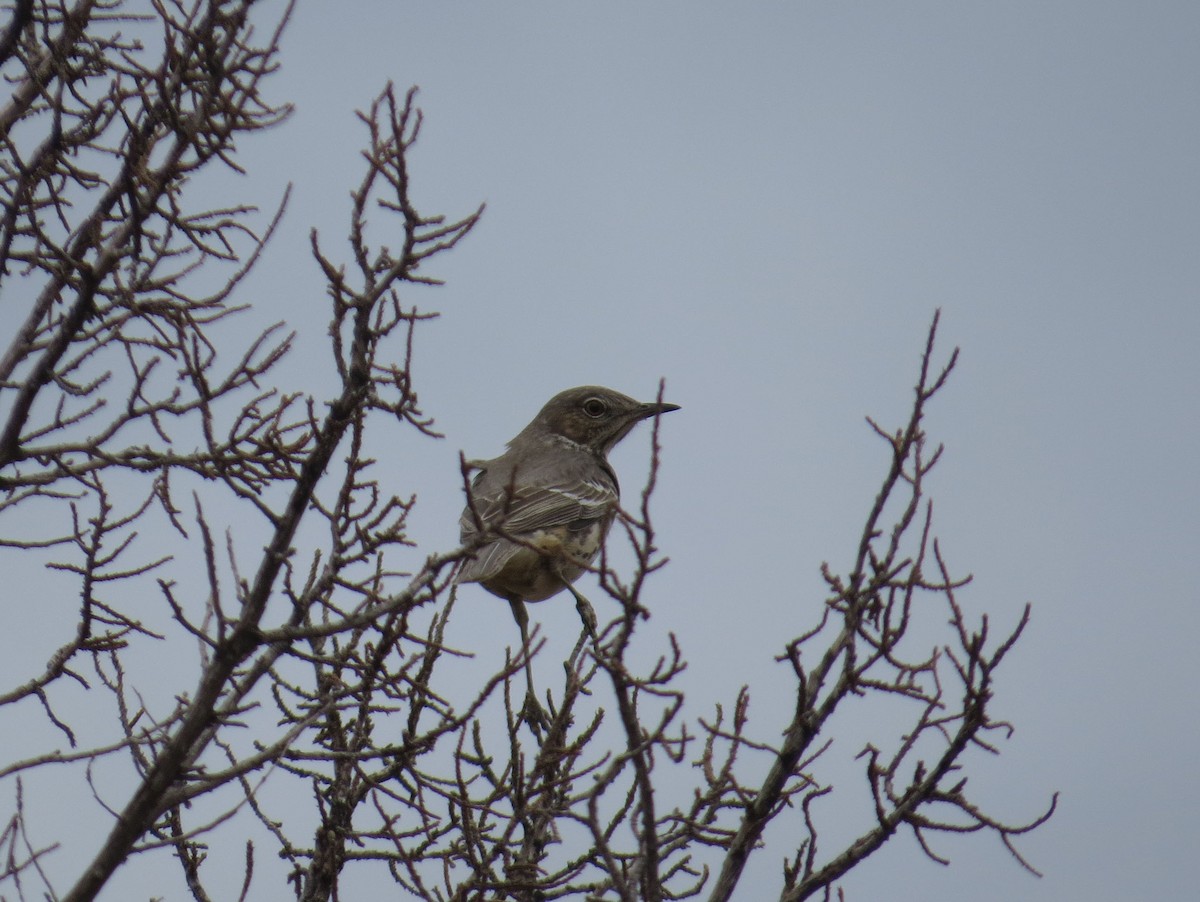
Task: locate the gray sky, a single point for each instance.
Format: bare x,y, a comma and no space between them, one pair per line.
764,206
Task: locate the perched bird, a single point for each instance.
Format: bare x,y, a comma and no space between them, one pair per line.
545,506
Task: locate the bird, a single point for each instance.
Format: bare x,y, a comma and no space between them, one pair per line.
539,513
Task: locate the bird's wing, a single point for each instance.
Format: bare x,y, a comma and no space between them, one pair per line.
487,562
500,500
521,508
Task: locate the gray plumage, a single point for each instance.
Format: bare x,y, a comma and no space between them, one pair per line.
552,493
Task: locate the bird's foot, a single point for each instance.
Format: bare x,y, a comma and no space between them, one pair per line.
587,615
586,612
534,715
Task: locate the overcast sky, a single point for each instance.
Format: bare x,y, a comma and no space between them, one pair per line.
764,204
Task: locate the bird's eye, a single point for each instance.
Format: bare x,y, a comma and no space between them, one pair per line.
594,407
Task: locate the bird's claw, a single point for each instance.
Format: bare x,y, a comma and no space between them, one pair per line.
587,615
534,715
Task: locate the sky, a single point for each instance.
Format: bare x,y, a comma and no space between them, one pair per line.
764,205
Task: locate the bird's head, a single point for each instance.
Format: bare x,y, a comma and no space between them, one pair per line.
594,417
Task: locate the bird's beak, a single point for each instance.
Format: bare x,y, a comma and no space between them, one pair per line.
654,409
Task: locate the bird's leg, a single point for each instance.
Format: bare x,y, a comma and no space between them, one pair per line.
531,712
